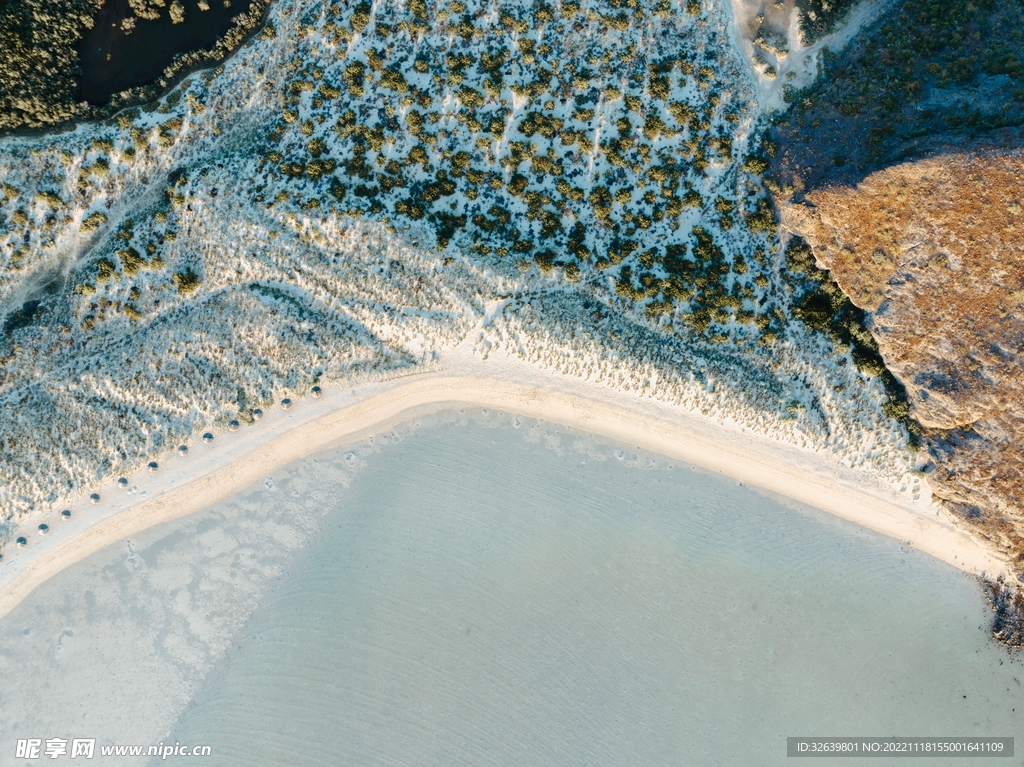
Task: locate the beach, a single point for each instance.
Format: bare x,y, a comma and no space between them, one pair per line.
515,589
235,460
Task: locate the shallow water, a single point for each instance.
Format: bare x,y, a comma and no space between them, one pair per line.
469,592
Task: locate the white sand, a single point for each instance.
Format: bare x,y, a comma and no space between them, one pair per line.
801,66
236,460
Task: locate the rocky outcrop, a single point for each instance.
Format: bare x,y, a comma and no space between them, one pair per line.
933,251
1007,603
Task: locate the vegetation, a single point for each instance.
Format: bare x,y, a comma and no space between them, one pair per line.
603,147
38,60
929,72
820,17
93,221
21,318
822,306
928,68
517,140
186,281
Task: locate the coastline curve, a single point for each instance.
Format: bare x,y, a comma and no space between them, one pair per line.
797,475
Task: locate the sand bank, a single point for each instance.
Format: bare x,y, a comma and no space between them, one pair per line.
237,460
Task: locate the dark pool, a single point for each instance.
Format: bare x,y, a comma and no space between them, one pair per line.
113,61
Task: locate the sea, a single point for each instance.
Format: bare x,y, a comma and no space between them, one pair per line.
477,588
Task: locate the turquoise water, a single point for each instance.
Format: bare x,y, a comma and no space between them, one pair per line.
483,590
493,596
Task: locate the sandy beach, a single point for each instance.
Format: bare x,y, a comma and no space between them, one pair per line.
235,460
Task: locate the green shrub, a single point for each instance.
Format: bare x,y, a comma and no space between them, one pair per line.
93,221
659,86
756,164
131,261
105,269
517,184
100,168
361,17
38,85
355,77
470,98
762,220
394,80
654,127
50,198
692,199
417,8
186,281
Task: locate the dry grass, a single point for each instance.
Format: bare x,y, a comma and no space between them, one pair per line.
934,251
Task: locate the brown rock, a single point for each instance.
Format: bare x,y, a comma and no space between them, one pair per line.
934,252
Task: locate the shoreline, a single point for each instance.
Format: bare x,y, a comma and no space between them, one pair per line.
188,485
